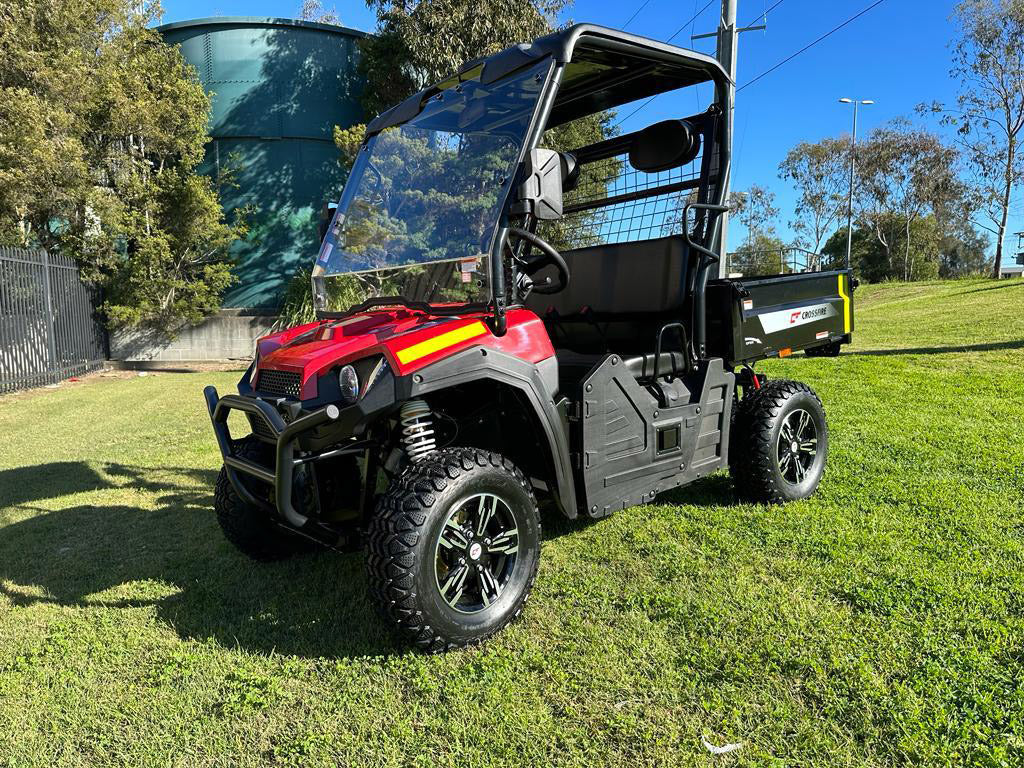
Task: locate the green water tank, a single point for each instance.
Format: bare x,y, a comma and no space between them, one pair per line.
278,88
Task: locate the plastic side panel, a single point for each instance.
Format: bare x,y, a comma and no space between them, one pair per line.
631,449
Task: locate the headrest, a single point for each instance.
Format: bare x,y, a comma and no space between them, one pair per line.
570,171
664,145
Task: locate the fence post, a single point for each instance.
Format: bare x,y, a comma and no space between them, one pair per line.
50,331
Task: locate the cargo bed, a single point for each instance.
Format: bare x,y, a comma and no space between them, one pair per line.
755,318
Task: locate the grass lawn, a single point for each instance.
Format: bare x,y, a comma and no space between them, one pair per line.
879,623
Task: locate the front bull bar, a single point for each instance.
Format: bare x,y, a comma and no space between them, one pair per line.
281,478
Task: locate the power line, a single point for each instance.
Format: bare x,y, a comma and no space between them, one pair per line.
811,44
764,14
634,112
636,13
693,19
674,35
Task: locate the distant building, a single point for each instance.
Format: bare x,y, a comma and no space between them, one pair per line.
1017,268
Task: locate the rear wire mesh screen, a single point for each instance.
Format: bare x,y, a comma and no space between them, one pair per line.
615,220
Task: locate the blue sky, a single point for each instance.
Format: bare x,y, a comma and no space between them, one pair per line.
897,55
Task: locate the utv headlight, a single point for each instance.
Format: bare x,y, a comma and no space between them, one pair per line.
348,380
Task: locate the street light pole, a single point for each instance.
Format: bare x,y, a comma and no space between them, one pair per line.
853,167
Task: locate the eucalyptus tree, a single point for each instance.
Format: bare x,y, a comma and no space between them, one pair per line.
419,42
818,170
755,208
906,173
988,63
315,10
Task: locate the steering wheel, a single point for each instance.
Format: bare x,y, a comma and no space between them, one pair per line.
548,257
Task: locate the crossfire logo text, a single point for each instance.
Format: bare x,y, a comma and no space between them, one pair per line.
807,314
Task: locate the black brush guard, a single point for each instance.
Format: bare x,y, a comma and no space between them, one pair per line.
286,438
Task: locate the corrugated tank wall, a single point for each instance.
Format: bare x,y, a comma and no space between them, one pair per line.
278,88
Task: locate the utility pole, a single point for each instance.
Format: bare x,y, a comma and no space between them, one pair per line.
725,51
726,55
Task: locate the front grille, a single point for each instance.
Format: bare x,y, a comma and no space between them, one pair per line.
260,427
279,383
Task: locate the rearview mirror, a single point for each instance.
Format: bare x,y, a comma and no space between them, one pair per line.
540,190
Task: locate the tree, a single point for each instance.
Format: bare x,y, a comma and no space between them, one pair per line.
906,173
102,127
988,62
756,210
761,254
819,172
867,256
964,253
419,42
870,258
314,10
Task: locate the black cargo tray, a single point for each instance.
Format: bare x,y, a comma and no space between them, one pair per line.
761,317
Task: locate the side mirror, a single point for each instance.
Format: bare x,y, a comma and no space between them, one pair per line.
540,191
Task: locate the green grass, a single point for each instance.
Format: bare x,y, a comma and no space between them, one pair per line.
879,623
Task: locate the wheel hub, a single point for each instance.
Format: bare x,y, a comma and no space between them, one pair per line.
476,552
797,446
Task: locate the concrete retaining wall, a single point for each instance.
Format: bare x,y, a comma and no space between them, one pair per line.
228,335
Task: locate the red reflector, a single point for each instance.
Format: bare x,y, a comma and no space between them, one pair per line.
785,352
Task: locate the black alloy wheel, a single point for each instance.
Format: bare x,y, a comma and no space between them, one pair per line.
476,550
797,446
778,444
453,548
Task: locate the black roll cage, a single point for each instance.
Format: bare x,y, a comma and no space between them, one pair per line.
553,110
558,105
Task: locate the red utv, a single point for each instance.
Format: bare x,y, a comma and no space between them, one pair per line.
503,319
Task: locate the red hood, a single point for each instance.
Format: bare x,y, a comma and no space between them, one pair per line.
409,340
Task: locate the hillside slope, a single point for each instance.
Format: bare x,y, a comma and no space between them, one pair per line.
880,623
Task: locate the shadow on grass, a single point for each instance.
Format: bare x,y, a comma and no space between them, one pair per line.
992,346
174,558
713,491
994,286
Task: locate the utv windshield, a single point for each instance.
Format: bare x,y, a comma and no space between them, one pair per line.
418,212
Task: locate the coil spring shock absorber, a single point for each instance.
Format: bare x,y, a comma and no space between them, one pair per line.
417,429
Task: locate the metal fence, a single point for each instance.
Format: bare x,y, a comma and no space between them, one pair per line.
48,328
775,261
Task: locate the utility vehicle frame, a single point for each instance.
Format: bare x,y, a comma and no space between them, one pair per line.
528,320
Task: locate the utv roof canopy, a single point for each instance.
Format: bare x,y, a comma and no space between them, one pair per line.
604,69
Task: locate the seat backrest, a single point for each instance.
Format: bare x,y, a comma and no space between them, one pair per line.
639,277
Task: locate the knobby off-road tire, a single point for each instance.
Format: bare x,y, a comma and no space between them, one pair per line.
441,577
248,528
779,443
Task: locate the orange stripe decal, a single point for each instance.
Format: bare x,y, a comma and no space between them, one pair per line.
439,342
